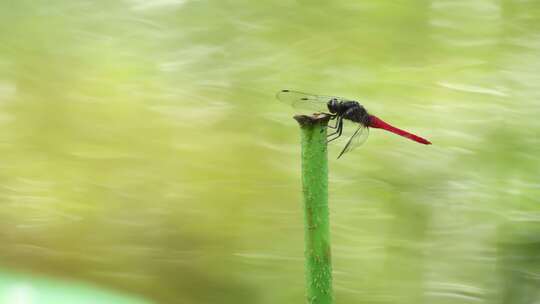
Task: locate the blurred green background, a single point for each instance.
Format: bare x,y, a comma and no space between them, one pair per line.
142,148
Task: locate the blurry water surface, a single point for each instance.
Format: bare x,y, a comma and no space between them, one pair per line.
143,149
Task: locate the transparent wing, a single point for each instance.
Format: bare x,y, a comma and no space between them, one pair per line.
357,139
301,100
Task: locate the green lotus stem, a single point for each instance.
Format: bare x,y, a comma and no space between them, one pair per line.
316,224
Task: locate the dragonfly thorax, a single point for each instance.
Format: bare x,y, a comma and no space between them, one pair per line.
350,110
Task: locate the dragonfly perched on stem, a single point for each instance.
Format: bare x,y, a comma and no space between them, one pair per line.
344,109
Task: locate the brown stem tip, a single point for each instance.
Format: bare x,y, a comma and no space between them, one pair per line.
309,120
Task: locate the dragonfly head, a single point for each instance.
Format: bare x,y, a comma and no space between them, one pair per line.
333,105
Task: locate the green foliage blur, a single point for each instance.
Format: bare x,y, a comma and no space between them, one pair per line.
142,147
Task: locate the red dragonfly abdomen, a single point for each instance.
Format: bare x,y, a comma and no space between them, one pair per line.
376,122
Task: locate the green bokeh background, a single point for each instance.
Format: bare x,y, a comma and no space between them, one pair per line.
142,148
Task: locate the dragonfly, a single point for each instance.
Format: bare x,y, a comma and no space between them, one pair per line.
342,109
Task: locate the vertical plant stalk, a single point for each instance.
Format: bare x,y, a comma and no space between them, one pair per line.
318,267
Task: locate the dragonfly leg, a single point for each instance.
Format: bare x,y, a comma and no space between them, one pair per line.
338,131
338,121
336,124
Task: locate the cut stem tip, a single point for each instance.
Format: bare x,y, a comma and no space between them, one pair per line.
310,120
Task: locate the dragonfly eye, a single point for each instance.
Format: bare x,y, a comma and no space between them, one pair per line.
332,105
